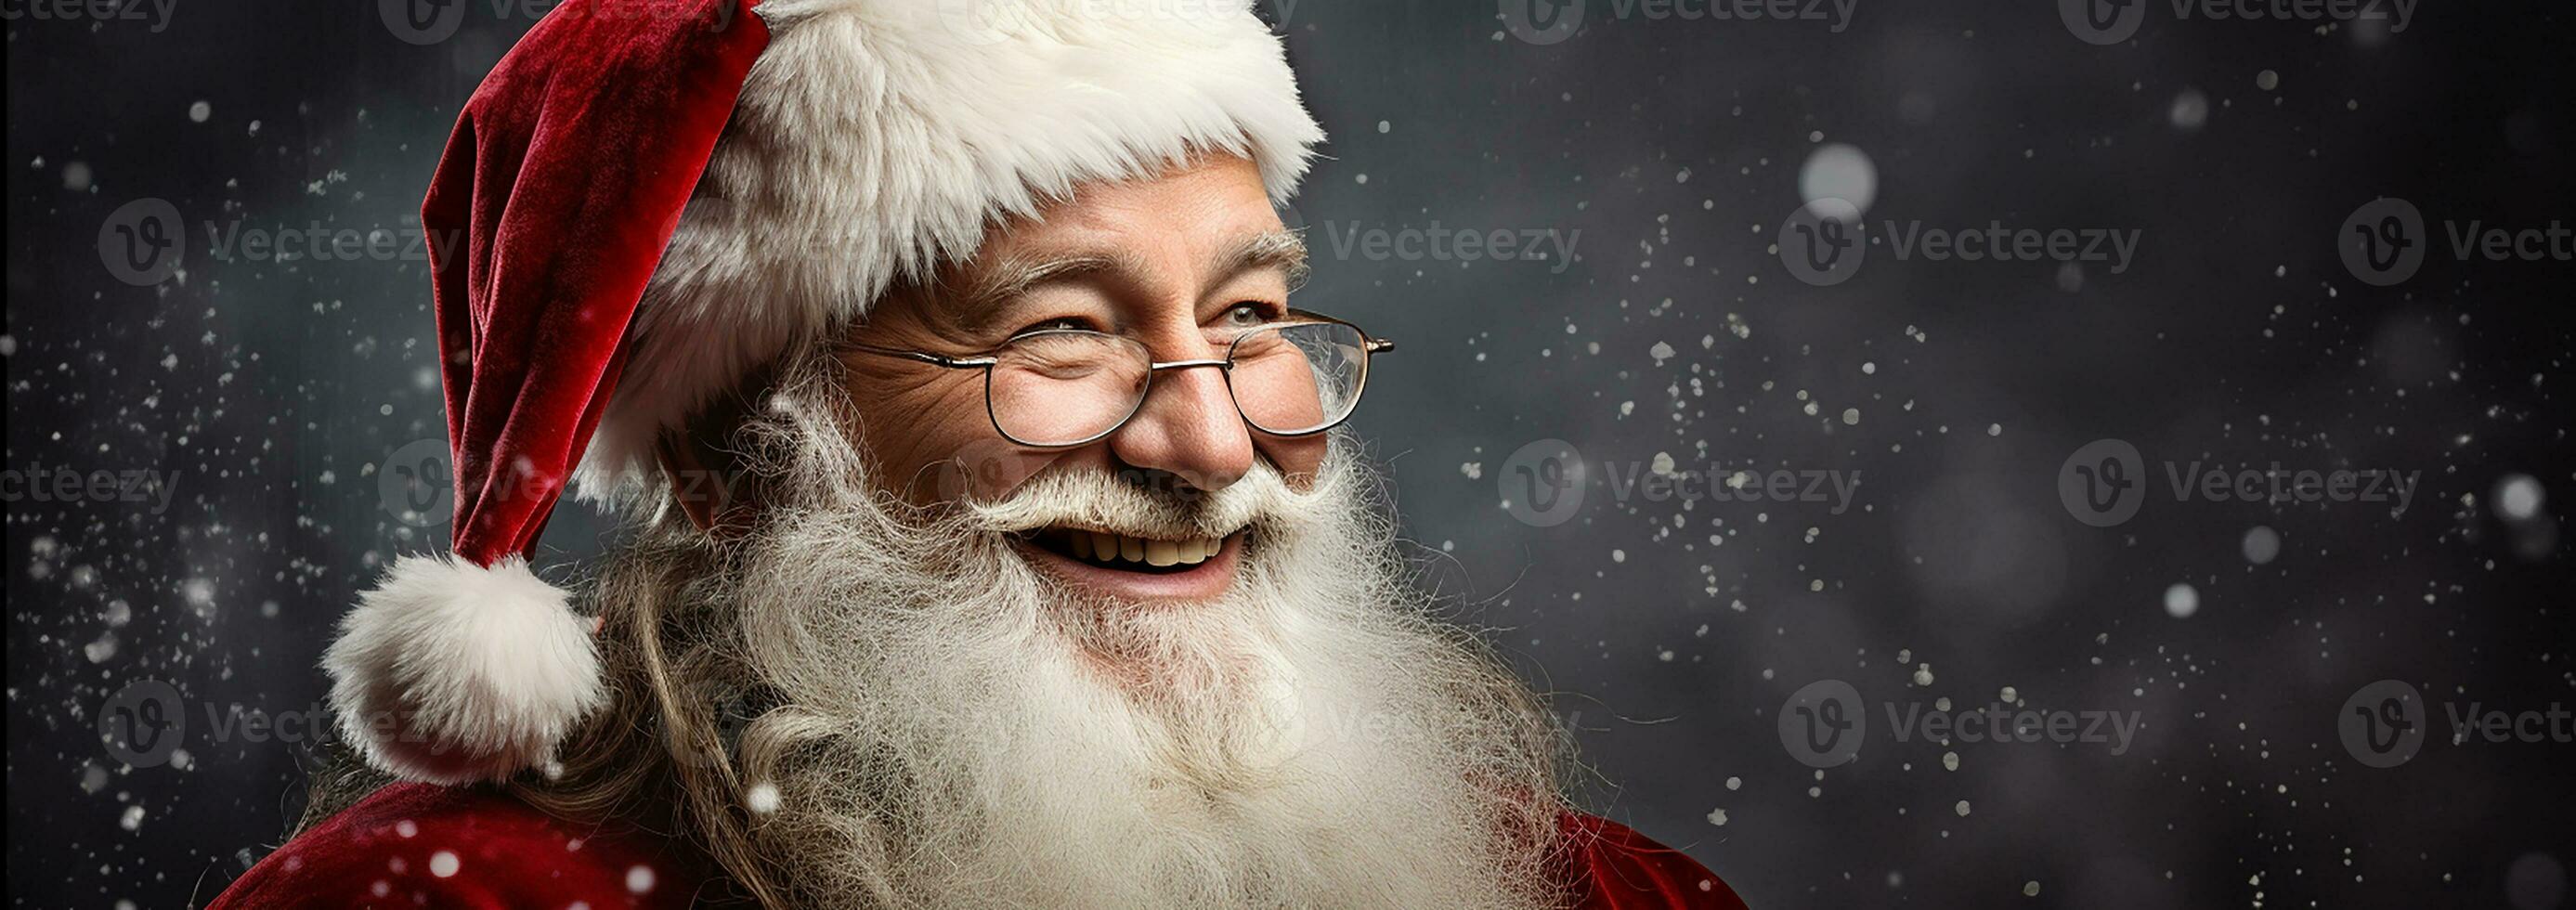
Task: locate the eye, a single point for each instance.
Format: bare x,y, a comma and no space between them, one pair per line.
1060,322
1246,315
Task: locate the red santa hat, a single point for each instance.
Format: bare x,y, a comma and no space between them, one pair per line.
656,198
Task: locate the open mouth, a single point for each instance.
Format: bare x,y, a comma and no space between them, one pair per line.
1120,552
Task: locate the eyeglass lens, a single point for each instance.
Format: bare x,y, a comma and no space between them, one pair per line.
1069,387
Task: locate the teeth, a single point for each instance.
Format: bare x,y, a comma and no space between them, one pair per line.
1115,548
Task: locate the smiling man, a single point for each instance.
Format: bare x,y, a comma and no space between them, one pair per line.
992,544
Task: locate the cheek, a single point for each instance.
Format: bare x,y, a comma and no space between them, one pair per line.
987,468
1298,458
931,441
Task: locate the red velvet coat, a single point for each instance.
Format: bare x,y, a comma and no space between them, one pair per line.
412,845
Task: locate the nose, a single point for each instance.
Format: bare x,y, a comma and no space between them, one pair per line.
1188,427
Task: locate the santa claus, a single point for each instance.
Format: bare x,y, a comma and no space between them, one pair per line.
991,541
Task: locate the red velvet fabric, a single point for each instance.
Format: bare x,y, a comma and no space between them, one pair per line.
1611,867
385,852
565,179
417,845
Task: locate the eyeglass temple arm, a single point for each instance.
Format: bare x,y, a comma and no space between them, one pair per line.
1374,346
954,363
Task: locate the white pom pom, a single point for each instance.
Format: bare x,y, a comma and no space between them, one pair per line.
450,673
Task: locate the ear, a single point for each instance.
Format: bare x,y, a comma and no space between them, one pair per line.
701,491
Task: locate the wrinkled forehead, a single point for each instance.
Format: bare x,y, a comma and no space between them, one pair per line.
1179,233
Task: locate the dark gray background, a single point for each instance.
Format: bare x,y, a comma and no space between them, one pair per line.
269,394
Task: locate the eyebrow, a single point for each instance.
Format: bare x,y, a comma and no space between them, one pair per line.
1280,249
980,301
983,299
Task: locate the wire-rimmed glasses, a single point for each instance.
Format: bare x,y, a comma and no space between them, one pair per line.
1057,388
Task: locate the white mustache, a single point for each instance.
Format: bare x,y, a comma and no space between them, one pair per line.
1101,501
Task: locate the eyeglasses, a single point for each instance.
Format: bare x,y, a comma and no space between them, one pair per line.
1057,388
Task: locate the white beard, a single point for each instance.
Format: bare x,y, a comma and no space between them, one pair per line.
941,724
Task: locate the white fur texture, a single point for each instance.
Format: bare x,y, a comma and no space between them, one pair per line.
448,672
945,723
877,139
